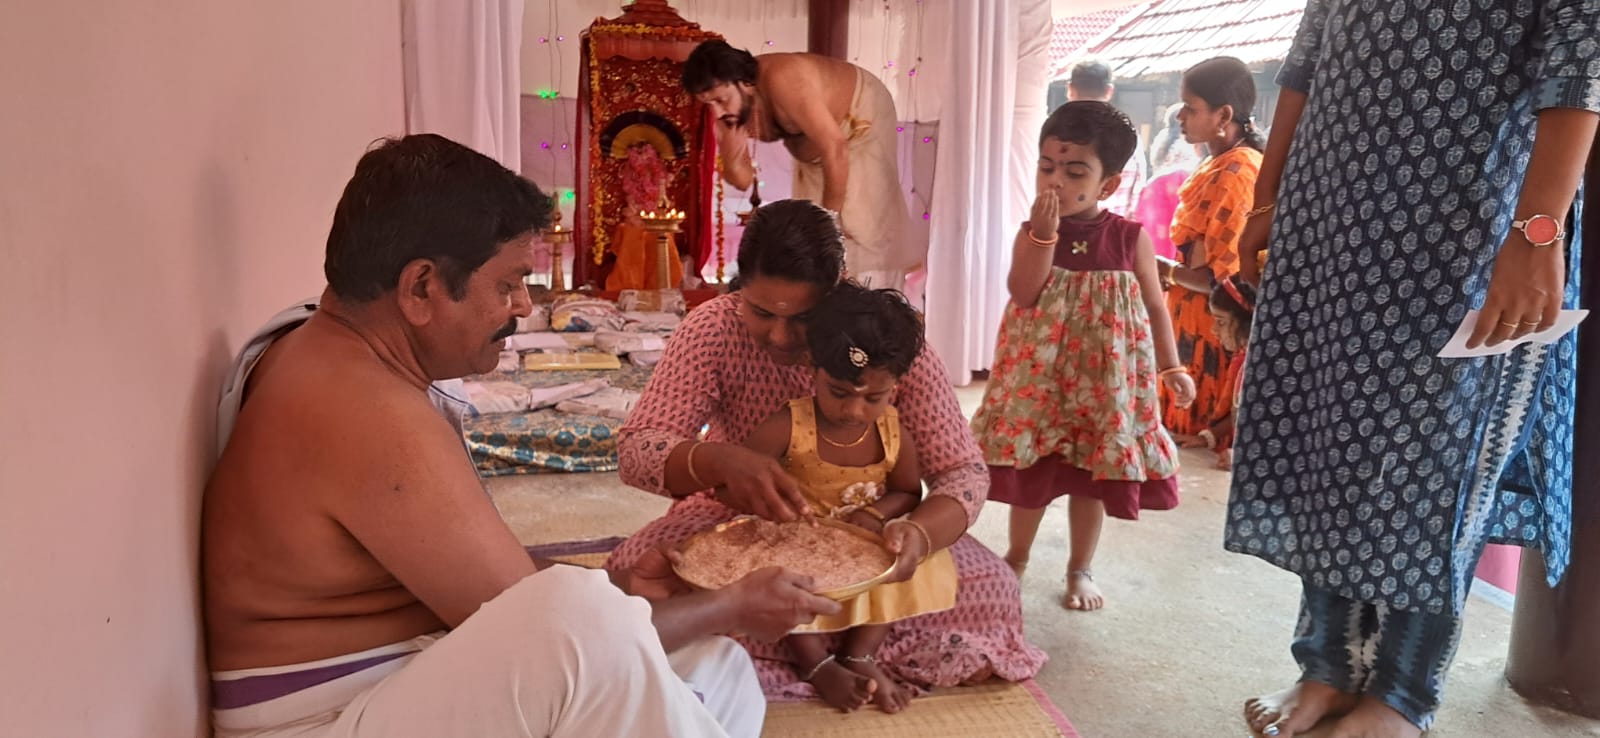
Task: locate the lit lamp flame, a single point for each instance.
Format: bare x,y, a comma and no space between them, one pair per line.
556,235
663,221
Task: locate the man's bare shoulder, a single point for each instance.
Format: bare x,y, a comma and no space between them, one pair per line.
786,66
794,81
325,385
330,404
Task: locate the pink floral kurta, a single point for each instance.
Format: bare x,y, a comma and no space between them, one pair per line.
714,374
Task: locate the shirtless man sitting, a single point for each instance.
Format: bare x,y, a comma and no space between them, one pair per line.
358,580
838,121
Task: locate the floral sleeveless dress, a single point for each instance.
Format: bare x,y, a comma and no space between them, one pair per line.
1072,405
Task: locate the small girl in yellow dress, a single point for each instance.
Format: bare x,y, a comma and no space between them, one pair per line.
843,447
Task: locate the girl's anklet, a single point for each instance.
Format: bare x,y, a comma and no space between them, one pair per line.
813,672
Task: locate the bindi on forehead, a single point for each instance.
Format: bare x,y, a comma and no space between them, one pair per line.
780,302
776,307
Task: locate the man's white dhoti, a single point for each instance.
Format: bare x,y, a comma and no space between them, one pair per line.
561,653
876,223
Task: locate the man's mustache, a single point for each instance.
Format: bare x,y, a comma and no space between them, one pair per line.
506,332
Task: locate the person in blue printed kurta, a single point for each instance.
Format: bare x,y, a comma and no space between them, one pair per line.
1404,149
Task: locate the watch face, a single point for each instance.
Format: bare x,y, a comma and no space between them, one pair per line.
1541,231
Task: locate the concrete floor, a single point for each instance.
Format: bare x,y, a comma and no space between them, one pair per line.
1188,633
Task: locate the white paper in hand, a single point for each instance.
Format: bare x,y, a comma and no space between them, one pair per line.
1457,347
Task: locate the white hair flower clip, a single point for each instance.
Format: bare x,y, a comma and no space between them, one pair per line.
858,357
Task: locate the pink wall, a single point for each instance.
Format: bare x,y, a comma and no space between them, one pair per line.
167,171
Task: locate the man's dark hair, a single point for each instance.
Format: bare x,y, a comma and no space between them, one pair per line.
795,240
1097,124
879,324
1224,80
425,197
1091,78
715,62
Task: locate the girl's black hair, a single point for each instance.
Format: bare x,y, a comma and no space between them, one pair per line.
1225,80
1096,124
855,328
1224,301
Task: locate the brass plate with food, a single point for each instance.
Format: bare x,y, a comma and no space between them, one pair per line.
843,560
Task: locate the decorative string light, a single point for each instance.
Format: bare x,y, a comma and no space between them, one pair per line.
911,74
552,94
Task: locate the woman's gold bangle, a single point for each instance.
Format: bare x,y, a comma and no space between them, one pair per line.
688,464
924,531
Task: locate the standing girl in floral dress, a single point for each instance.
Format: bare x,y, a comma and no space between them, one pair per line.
1071,407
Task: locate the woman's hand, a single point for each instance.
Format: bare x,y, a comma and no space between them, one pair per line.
1524,292
1181,385
1185,440
756,484
1046,218
1252,241
910,544
1166,272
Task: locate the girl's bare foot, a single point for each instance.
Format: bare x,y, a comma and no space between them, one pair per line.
842,687
1082,592
1297,709
1017,565
892,696
1373,719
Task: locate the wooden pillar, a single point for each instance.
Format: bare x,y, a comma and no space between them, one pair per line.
829,28
1555,633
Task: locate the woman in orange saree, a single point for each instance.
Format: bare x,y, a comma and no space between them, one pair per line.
1218,95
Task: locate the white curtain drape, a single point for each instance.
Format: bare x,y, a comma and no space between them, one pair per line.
993,101
462,62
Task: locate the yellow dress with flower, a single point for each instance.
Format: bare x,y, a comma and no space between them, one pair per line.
837,491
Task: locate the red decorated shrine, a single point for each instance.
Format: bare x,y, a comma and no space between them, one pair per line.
631,101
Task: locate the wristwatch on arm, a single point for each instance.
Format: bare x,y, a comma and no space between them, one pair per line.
1542,231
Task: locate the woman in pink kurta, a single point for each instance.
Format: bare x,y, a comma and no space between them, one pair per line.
737,359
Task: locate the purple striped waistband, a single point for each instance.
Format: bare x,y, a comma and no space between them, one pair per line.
234,693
